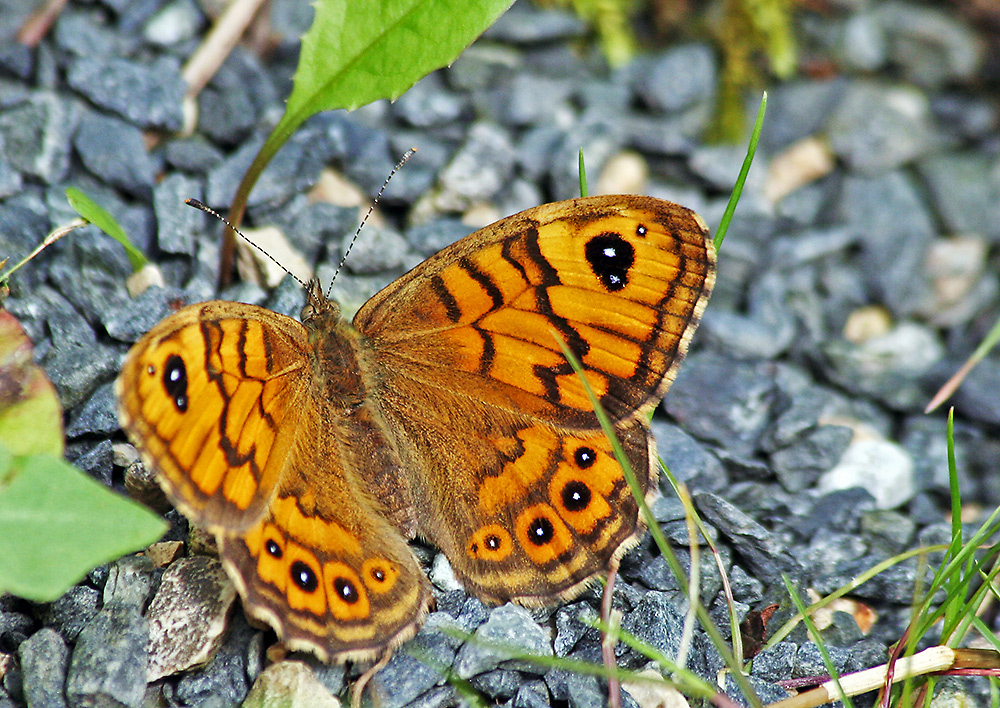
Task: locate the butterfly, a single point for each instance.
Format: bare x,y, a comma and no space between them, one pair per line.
446,409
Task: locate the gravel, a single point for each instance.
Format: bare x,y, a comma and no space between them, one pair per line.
796,421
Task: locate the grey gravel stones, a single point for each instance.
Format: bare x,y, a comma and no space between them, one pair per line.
796,421
44,658
108,665
147,95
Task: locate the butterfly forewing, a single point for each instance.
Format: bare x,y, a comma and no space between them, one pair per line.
212,396
525,496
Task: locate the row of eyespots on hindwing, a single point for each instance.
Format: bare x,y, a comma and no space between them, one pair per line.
577,510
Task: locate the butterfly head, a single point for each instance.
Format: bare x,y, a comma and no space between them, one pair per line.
319,308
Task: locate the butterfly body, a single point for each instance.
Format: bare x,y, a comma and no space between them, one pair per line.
445,410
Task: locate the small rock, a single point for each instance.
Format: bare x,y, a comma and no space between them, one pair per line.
173,23
44,658
427,103
956,267
570,627
679,78
529,99
798,165
77,363
657,622
97,416
192,155
879,466
797,109
187,616
976,397
876,128
510,629
224,682
129,582
523,26
138,314
763,552
416,668
801,463
575,689
178,225
289,683
147,95
102,140
36,136
108,663
478,170
838,511
965,187
71,612
686,458
895,230
96,460
227,112
379,250
270,258
867,323
887,531
890,368
532,694
498,685
733,416
429,238
933,47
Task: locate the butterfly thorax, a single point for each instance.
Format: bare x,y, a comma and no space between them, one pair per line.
336,344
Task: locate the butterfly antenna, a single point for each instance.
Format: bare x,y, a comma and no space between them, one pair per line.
402,161
209,210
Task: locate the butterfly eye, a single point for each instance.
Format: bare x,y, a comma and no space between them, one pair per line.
611,258
576,496
304,577
346,590
585,457
175,381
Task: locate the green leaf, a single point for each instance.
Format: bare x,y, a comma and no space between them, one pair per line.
30,414
359,52
97,215
57,524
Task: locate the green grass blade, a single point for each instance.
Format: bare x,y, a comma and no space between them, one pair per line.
817,638
97,215
583,176
734,198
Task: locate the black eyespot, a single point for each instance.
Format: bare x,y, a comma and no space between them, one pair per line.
641,230
175,381
378,575
304,577
346,590
541,531
493,542
611,258
575,496
585,457
273,549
